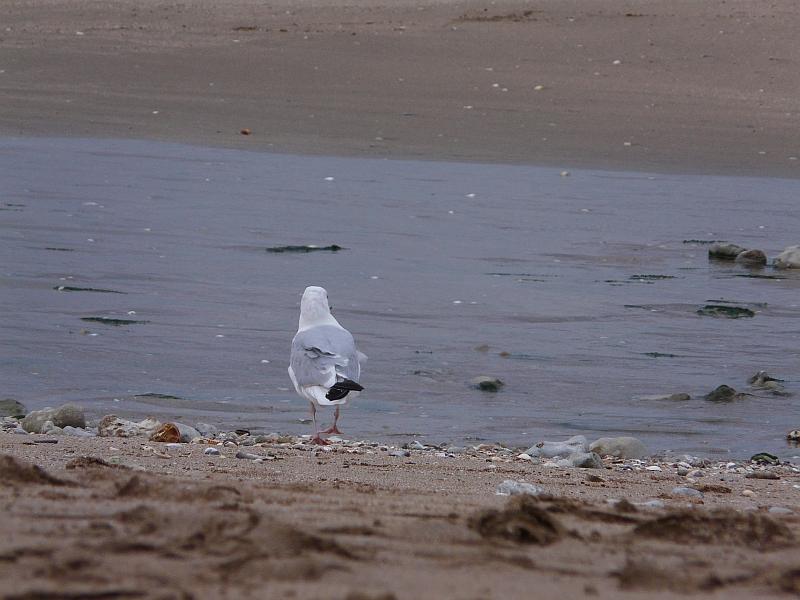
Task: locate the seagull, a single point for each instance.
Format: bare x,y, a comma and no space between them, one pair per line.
324,364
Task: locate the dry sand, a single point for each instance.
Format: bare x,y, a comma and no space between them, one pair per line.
683,85
699,87
127,518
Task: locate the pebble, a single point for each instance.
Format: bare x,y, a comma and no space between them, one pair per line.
780,510
696,473
652,503
573,445
686,491
511,487
748,493
653,468
762,475
211,452
400,453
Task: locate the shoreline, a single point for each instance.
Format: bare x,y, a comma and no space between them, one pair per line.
551,87
352,521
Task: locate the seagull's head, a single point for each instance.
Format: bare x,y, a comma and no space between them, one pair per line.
314,307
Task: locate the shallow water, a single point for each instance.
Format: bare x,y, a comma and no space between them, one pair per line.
439,259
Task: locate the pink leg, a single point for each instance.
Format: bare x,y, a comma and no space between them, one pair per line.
333,428
317,439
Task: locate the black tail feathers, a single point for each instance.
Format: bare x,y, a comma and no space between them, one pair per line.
340,389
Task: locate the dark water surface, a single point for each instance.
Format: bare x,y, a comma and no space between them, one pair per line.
438,259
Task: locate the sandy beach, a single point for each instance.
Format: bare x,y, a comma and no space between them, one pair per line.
128,518
703,87
679,87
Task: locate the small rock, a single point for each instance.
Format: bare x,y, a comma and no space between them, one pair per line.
752,258
679,397
487,384
592,478
211,452
113,426
748,493
723,393
765,458
780,510
619,447
206,430
724,251
246,455
524,456
654,503
695,474
586,460
400,453
12,408
725,311
653,468
573,445
67,414
415,445
512,488
686,491
682,471
77,431
789,258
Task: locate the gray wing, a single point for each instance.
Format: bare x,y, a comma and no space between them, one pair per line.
321,355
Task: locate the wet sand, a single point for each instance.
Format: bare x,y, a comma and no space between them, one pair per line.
127,518
635,85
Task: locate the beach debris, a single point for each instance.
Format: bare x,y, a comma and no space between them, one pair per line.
762,475
486,384
752,258
113,321
62,416
510,487
686,491
305,249
724,393
765,458
174,433
12,408
725,311
522,521
211,451
789,258
724,251
113,426
619,447
575,444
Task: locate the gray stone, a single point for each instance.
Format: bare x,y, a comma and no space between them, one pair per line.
762,475
67,414
575,444
513,488
686,491
724,251
752,258
789,258
780,510
585,460
247,455
12,408
77,432
620,447
400,453
206,430
724,393
113,426
211,452
487,384
654,503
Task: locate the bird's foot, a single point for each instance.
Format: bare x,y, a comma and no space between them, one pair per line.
319,441
332,429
